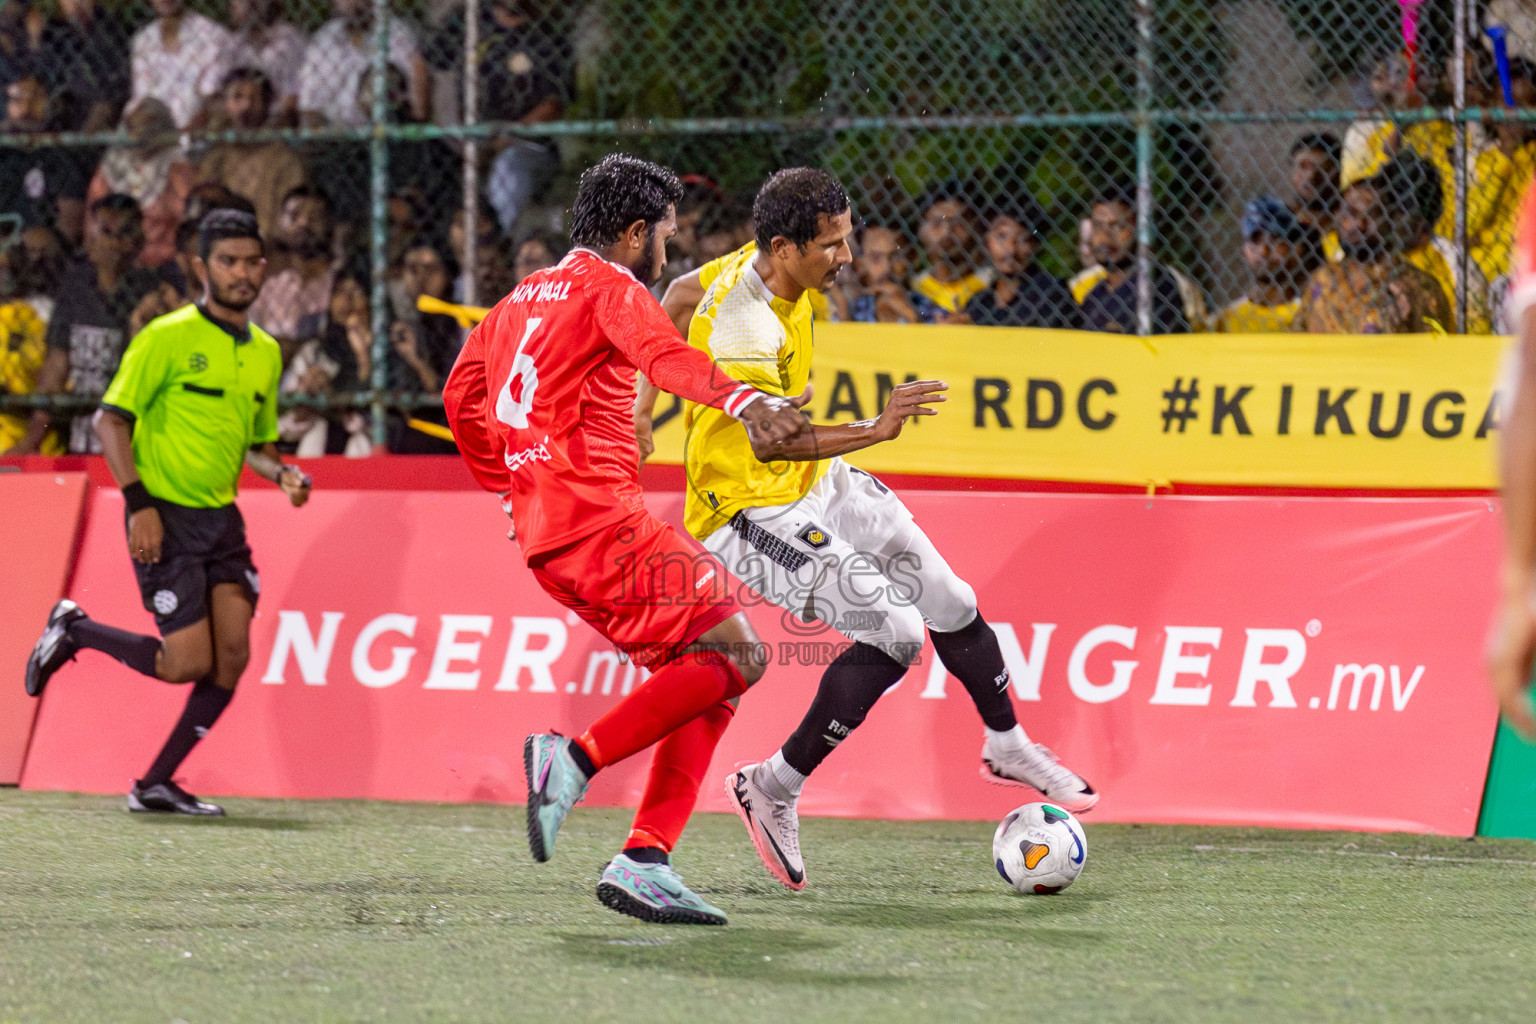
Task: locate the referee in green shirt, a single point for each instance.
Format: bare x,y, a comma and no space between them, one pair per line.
194,399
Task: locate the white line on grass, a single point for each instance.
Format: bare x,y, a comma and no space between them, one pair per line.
1365,853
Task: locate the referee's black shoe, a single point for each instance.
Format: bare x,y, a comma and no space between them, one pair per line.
53,648
170,798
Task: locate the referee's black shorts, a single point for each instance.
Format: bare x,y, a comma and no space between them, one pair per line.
203,547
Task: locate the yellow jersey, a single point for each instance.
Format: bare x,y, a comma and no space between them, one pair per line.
1248,317
1493,248
22,351
1494,185
1368,145
1437,258
762,340
951,296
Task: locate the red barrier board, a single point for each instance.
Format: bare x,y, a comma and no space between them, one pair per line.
1274,661
39,522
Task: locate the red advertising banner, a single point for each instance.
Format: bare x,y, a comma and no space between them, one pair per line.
39,522
1271,661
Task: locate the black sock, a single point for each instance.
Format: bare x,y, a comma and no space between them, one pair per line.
849,688
973,657
205,704
135,650
582,760
646,854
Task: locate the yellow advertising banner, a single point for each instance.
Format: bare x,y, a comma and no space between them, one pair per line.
1289,410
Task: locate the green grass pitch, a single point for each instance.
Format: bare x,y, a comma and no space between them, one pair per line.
347,911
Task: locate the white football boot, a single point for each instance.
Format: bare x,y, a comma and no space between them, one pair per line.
1037,767
772,823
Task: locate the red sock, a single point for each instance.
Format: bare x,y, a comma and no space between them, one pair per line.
674,696
677,769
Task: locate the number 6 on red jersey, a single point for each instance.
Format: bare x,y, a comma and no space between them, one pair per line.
516,396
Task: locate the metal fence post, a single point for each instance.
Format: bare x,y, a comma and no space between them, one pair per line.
379,218
1143,167
1459,115
471,149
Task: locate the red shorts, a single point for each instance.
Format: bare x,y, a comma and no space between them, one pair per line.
647,588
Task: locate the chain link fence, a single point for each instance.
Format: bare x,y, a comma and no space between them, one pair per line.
1139,166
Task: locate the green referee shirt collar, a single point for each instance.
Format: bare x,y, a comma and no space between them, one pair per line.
240,332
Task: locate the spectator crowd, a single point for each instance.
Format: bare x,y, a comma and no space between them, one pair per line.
1364,241
96,243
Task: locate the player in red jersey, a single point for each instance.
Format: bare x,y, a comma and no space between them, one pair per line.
540,402
1514,642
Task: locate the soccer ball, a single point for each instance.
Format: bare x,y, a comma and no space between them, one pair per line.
1039,849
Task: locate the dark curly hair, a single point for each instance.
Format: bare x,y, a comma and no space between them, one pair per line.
617,191
790,203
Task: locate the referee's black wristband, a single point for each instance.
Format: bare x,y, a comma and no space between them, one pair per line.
137,496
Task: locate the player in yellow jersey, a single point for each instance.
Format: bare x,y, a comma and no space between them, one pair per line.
820,538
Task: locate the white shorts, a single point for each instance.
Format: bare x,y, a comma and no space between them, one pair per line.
847,557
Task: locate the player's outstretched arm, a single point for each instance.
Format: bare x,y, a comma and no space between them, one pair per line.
1514,639
772,420
914,398
637,327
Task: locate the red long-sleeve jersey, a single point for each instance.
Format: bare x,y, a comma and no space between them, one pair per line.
541,399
